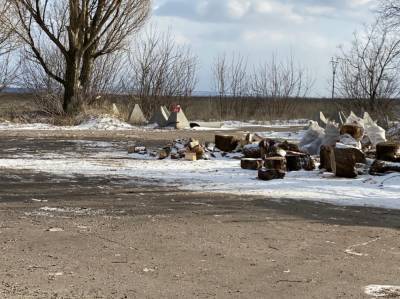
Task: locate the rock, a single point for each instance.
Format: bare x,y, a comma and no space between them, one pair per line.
194,125
325,157
252,151
388,151
354,130
251,163
226,143
382,167
344,160
278,163
270,174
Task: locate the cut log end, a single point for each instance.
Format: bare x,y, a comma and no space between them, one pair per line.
388,151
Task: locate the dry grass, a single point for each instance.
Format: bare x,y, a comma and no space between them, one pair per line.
24,108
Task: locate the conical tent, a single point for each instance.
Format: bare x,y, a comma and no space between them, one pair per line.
137,117
178,120
159,117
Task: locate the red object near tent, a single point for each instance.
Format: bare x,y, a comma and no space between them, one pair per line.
175,108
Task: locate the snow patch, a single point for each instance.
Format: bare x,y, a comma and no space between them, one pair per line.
226,176
382,291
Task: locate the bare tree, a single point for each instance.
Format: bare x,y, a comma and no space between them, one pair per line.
369,70
159,67
230,81
81,31
280,82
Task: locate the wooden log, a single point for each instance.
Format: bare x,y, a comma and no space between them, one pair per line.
296,161
344,159
354,130
189,156
388,151
382,167
278,163
252,151
270,174
251,163
325,157
289,146
293,162
226,143
163,154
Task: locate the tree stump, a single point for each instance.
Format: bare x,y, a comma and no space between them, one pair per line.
252,151
325,157
270,174
382,167
354,130
296,161
278,163
388,151
226,143
251,163
344,160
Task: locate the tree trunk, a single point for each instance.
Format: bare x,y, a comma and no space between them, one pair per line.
71,102
87,68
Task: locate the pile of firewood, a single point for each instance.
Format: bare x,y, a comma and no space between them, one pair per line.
349,161
271,158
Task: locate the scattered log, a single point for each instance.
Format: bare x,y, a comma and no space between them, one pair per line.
278,163
382,167
251,163
163,154
388,151
226,143
344,160
189,156
270,174
325,157
296,161
354,130
199,151
252,151
289,146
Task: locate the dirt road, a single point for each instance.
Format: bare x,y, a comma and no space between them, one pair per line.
113,237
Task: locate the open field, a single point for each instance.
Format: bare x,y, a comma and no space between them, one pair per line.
205,108
85,235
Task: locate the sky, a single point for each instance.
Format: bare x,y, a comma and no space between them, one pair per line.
310,30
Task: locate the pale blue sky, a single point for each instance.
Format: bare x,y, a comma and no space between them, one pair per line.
310,29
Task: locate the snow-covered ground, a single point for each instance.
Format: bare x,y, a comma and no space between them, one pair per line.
221,175
111,123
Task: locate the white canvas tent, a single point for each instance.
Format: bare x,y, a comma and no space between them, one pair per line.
137,117
178,120
160,117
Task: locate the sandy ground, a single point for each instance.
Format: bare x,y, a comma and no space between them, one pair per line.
110,237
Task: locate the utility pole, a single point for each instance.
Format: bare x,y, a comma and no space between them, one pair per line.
335,63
